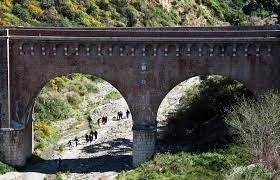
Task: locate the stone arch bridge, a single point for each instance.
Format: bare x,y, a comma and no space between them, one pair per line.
144,64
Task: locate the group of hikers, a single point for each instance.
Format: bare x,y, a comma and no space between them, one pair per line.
93,134
88,138
120,114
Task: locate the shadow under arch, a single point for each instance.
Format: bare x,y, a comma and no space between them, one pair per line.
125,161
194,104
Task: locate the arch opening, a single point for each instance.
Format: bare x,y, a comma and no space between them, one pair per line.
191,116
73,106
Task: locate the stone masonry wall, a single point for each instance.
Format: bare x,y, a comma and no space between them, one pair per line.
4,83
16,145
144,143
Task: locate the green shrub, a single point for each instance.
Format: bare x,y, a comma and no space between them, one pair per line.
74,76
44,136
59,176
4,168
55,107
13,20
91,87
74,99
61,147
251,172
103,4
113,95
64,22
67,10
21,12
83,90
60,82
258,126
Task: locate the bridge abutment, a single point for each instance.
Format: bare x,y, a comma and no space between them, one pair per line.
16,145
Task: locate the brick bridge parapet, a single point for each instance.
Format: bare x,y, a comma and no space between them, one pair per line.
144,64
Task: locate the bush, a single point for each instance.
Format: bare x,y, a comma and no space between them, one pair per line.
113,95
103,4
13,20
74,99
44,128
83,90
55,107
74,76
21,12
253,171
35,10
258,126
45,135
60,83
91,87
4,168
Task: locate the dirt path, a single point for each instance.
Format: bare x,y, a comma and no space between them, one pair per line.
103,158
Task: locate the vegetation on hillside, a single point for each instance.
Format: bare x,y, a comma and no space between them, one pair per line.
130,13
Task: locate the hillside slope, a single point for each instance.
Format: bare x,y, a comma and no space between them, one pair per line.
126,13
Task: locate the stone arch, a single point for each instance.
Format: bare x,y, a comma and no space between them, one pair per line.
27,115
160,126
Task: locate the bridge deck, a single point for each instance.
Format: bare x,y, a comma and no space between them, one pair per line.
171,32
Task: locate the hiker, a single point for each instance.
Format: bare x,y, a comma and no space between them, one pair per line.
118,115
87,138
91,133
98,122
76,140
121,114
104,119
127,113
90,138
89,119
95,134
59,163
70,143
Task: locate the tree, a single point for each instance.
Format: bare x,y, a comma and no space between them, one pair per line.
271,6
258,126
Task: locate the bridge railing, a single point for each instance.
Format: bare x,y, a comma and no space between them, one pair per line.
176,32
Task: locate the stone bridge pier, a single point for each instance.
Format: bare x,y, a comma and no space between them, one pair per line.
144,112
144,64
